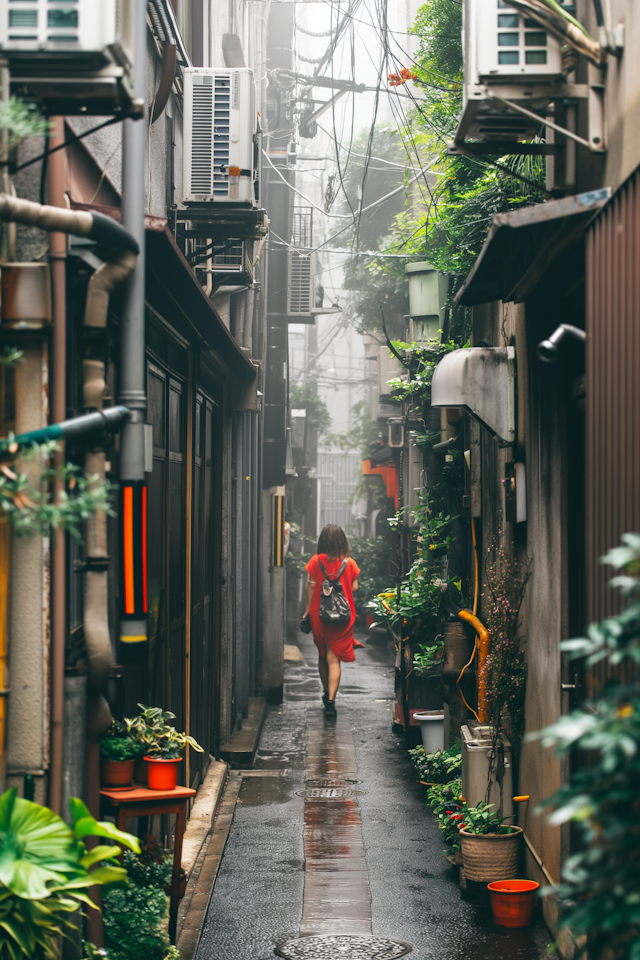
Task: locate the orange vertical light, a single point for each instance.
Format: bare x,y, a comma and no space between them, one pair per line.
127,553
144,549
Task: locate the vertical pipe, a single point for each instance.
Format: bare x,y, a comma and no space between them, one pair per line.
57,257
187,590
132,334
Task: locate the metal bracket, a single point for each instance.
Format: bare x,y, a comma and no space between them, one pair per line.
92,565
544,121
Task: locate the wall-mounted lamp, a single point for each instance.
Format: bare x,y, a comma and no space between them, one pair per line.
547,350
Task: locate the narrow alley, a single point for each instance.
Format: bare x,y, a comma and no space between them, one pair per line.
330,838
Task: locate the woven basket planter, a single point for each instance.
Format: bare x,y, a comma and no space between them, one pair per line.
489,857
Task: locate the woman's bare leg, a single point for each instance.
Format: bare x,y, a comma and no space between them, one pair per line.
323,670
333,665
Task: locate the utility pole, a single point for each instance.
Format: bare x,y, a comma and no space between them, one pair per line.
132,336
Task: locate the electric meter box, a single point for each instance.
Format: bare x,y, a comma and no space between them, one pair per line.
502,44
72,57
476,757
427,295
220,136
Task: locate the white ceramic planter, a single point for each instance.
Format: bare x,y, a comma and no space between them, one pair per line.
431,729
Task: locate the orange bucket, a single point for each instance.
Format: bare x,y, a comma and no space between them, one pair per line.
162,774
512,902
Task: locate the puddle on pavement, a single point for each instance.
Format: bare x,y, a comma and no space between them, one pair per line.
256,791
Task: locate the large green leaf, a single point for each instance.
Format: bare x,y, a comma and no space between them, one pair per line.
36,848
101,852
88,827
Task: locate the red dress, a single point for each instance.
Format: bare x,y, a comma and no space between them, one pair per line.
339,639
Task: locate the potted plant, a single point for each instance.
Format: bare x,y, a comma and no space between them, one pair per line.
46,875
163,745
118,755
490,847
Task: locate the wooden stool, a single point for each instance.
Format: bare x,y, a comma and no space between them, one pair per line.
142,802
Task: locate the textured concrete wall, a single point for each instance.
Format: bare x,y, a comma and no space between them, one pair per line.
28,722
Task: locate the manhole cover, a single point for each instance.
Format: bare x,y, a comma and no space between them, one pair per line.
328,782
329,793
342,948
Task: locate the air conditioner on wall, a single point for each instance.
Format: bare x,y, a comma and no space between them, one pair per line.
220,129
511,55
301,288
72,56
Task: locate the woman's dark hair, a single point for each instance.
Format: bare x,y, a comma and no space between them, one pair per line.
333,541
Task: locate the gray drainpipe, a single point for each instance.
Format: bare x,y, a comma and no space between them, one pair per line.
132,358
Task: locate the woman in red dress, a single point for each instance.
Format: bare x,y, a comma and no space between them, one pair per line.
334,643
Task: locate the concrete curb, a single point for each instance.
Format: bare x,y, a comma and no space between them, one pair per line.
203,812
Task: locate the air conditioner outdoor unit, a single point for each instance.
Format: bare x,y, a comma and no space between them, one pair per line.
220,130
72,56
301,289
513,56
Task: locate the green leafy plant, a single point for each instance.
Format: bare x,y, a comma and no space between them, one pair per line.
20,120
506,583
135,918
120,748
45,873
439,767
160,739
427,657
482,821
446,803
599,897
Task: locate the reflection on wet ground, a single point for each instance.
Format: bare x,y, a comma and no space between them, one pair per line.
368,863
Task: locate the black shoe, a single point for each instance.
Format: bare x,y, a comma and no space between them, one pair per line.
330,709
325,698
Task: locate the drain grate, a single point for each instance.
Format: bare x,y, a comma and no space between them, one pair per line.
342,948
329,793
329,782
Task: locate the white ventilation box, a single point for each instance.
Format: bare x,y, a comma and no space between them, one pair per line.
389,368
68,31
512,56
72,56
220,136
501,43
301,288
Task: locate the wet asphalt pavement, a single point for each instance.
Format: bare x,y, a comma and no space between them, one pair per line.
387,876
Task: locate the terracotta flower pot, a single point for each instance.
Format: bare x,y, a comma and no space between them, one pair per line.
512,902
162,774
116,773
492,856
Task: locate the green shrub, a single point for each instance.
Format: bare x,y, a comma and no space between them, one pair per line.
123,748
135,918
440,767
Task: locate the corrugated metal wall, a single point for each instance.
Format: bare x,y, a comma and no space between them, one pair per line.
612,387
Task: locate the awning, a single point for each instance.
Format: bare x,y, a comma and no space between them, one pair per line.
522,245
173,290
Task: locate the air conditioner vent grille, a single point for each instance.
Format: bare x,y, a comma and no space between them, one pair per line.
222,106
201,137
300,284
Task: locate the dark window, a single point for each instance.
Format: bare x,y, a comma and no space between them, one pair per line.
175,420
62,19
508,39
536,56
508,20
537,39
509,58
155,407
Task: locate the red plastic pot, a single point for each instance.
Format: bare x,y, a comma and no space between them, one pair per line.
116,773
512,902
162,774
369,620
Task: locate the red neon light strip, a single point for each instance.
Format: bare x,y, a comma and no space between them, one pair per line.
144,549
127,551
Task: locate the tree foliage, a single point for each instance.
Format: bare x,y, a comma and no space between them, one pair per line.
600,893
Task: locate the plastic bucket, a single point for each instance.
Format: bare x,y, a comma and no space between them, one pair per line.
162,774
512,902
431,729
